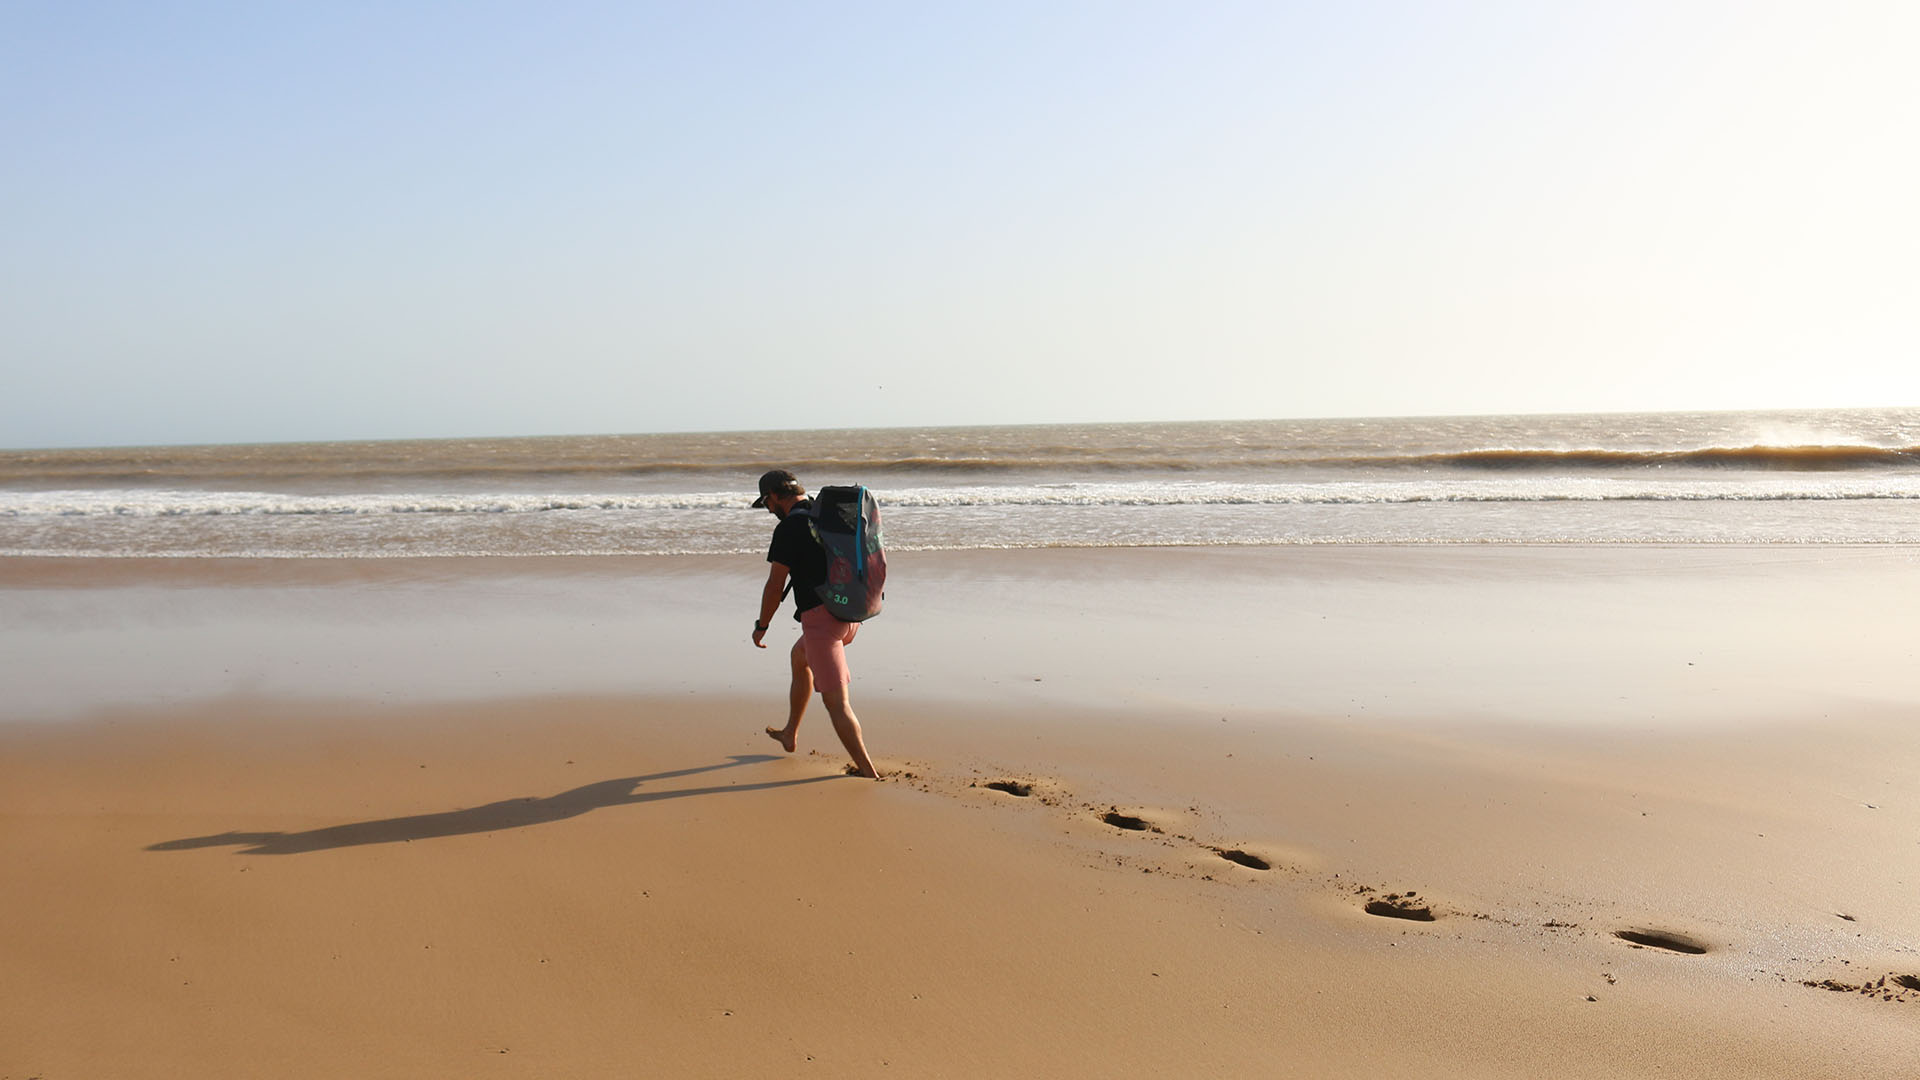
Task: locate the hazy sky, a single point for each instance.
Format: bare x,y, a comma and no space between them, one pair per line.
264,220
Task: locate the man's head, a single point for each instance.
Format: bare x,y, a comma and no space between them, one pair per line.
779,490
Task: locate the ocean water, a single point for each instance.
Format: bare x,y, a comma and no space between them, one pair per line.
1811,477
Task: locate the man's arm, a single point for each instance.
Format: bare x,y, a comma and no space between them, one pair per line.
770,598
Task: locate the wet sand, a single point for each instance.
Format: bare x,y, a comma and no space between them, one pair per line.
1318,812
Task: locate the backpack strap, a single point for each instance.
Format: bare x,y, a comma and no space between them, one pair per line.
860,532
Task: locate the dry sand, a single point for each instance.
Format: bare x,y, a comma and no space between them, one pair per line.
515,818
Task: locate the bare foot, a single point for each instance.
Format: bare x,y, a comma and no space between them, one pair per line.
855,770
780,736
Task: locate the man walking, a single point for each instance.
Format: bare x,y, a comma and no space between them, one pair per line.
819,658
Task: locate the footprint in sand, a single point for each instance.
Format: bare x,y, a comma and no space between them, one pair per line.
1118,820
1244,858
1665,940
1396,906
1011,787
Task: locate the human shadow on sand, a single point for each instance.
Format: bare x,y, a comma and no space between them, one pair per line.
493,817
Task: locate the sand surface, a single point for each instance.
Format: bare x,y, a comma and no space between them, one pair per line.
514,818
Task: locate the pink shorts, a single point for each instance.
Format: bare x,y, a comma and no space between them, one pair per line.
825,640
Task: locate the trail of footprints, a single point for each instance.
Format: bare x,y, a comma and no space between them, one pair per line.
1113,816
1408,905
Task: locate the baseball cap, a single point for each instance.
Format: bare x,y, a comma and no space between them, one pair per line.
776,482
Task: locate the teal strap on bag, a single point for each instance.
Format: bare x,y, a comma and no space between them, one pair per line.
860,534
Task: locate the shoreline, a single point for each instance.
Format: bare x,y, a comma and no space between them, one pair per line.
1582,635
42,568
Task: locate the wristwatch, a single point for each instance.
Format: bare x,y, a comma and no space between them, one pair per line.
758,628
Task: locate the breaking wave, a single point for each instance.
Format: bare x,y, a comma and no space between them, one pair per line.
1792,458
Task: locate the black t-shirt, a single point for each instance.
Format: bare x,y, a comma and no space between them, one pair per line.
795,548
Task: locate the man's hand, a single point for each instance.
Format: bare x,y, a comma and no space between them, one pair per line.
759,631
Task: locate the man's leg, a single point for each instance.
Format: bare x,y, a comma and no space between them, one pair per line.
797,696
847,726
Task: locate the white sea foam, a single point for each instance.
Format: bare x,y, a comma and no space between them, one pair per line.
157,504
